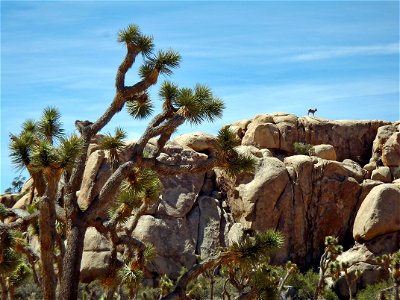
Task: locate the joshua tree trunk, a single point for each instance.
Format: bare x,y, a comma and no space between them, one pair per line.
47,219
72,262
4,289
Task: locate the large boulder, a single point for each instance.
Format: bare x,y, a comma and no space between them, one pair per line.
208,240
96,255
92,181
180,191
383,134
324,151
379,213
262,135
391,151
172,240
382,174
304,197
198,141
362,257
279,131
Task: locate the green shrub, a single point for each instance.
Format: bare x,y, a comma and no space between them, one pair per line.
302,148
372,291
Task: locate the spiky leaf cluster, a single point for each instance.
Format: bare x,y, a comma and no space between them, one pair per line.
252,250
140,108
132,34
69,150
232,161
163,62
198,104
114,144
21,148
3,211
29,126
142,186
20,275
166,285
332,247
265,280
130,277
44,155
50,126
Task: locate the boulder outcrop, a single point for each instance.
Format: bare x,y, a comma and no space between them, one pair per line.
305,197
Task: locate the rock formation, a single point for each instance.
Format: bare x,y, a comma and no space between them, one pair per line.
347,180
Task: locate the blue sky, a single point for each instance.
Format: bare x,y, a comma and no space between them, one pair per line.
259,57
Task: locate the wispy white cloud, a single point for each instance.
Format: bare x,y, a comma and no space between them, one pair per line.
336,52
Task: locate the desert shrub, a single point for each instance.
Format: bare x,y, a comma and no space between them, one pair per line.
371,292
302,148
305,285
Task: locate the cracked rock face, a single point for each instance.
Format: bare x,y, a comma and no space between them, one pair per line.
305,197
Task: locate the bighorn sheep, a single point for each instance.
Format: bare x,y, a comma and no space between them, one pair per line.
312,111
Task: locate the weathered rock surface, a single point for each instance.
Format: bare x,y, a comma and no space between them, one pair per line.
362,257
391,151
382,174
180,192
172,240
351,139
307,198
96,255
324,151
379,213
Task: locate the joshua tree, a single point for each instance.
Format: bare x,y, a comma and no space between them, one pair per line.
56,164
250,257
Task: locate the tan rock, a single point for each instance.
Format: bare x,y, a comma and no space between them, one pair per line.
94,241
172,241
198,141
383,134
382,174
288,135
362,257
378,214
94,264
262,135
89,188
391,151
324,151
27,186
281,117
209,227
235,234
180,191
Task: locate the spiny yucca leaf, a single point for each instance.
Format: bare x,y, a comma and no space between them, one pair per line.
240,163
21,273
149,252
132,34
163,62
133,278
21,148
44,155
10,260
69,150
114,142
226,140
50,126
258,247
168,90
29,126
140,109
3,211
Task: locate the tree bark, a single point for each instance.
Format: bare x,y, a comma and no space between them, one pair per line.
72,262
47,220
